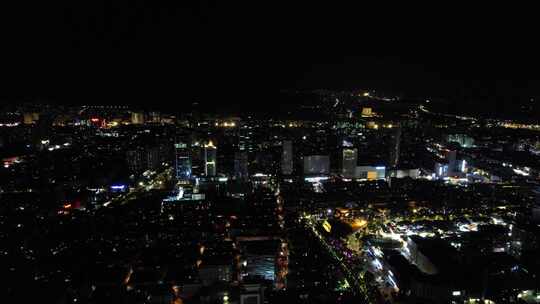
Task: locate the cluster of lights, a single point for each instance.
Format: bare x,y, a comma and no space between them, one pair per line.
511,125
14,124
226,124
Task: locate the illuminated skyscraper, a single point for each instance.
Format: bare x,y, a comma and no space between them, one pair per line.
287,158
152,158
452,164
137,118
210,159
197,158
155,117
182,160
395,142
441,170
316,164
349,161
136,160
367,112
241,165
30,118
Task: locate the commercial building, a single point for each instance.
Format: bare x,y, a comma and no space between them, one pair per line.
367,112
441,170
136,160
463,140
30,118
241,165
316,164
451,159
395,142
153,158
143,158
182,160
137,118
287,158
349,159
370,172
402,173
210,157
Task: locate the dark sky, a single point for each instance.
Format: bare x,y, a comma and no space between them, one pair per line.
160,52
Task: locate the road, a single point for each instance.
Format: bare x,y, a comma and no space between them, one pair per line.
158,181
354,276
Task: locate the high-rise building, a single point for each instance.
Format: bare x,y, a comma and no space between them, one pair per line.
348,162
30,118
316,164
395,142
152,158
287,158
137,118
182,160
210,159
241,165
463,140
165,152
141,159
197,158
245,138
136,160
441,170
155,117
452,164
461,166
367,112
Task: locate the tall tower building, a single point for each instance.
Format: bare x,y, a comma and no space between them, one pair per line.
210,159
136,160
197,158
349,162
452,164
152,158
155,117
137,118
395,142
287,158
182,159
241,165
316,164
30,118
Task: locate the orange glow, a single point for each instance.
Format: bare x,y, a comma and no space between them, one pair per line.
359,223
176,289
128,276
67,206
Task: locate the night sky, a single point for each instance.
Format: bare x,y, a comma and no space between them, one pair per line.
145,52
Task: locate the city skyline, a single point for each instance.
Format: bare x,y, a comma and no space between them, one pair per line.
209,152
